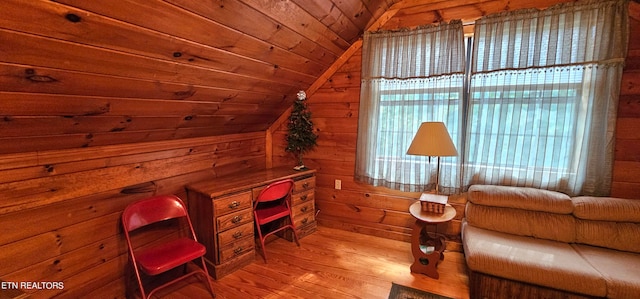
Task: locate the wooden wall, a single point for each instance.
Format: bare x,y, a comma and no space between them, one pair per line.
384,212
626,170
60,210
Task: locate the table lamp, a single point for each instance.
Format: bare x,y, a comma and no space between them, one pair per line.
433,140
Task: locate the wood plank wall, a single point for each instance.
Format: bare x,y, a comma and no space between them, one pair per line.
626,170
60,210
384,212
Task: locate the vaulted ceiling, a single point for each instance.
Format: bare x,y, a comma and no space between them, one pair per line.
77,73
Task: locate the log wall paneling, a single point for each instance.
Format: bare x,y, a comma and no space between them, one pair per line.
60,210
626,169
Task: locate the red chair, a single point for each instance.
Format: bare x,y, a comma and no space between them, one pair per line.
272,204
161,258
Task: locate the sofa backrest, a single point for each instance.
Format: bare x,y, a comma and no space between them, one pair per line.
598,221
524,198
542,225
608,222
522,211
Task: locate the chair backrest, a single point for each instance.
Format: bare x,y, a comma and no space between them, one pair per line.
152,210
275,191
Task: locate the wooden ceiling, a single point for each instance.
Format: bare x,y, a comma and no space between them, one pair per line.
77,73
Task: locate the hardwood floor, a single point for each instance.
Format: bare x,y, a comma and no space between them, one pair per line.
332,263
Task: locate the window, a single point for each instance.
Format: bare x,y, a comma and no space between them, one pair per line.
534,131
410,106
542,91
423,82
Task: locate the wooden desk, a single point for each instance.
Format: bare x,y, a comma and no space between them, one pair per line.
221,212
428,247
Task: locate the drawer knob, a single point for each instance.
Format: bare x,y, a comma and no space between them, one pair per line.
304,209
237,235
305,220
236,219
234,204
237,251
305,185
303,197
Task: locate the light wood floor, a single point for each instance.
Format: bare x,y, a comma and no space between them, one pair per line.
332,264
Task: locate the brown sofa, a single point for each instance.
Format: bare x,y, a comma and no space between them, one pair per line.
531,243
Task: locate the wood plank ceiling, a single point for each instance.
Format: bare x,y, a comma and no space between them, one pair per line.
77,73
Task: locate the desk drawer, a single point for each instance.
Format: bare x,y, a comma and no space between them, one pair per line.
300,198
234,220
306,230
304,208
299,186
304,184
236,248
236,233
305,224
231,203
302,219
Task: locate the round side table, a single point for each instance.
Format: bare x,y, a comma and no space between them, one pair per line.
427,246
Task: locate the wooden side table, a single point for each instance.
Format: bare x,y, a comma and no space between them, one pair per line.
428,247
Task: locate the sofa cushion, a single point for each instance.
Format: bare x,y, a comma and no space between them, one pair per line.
619,269
541,262
556,227
616,235
521,198
606,208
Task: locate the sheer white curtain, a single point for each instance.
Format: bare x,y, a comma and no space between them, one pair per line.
409,77
544,94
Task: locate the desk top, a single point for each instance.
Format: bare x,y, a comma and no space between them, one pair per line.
416,211
217,186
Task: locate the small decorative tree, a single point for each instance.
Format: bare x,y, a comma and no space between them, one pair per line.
300,135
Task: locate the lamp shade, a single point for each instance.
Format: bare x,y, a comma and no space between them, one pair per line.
432,139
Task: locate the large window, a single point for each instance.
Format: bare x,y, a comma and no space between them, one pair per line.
413,106
532,128
415,76
534,107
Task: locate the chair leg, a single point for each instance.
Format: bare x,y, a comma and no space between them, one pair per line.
139,278
295,234
283,228
264,252
207,278
132,269
295,237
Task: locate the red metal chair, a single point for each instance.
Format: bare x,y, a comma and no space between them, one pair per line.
161,258
272,204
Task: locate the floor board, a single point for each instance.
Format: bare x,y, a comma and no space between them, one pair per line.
332,264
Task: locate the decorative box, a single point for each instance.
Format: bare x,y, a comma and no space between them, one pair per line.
433,203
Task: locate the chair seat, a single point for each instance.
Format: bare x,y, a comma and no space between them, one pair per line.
267,215
167,256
